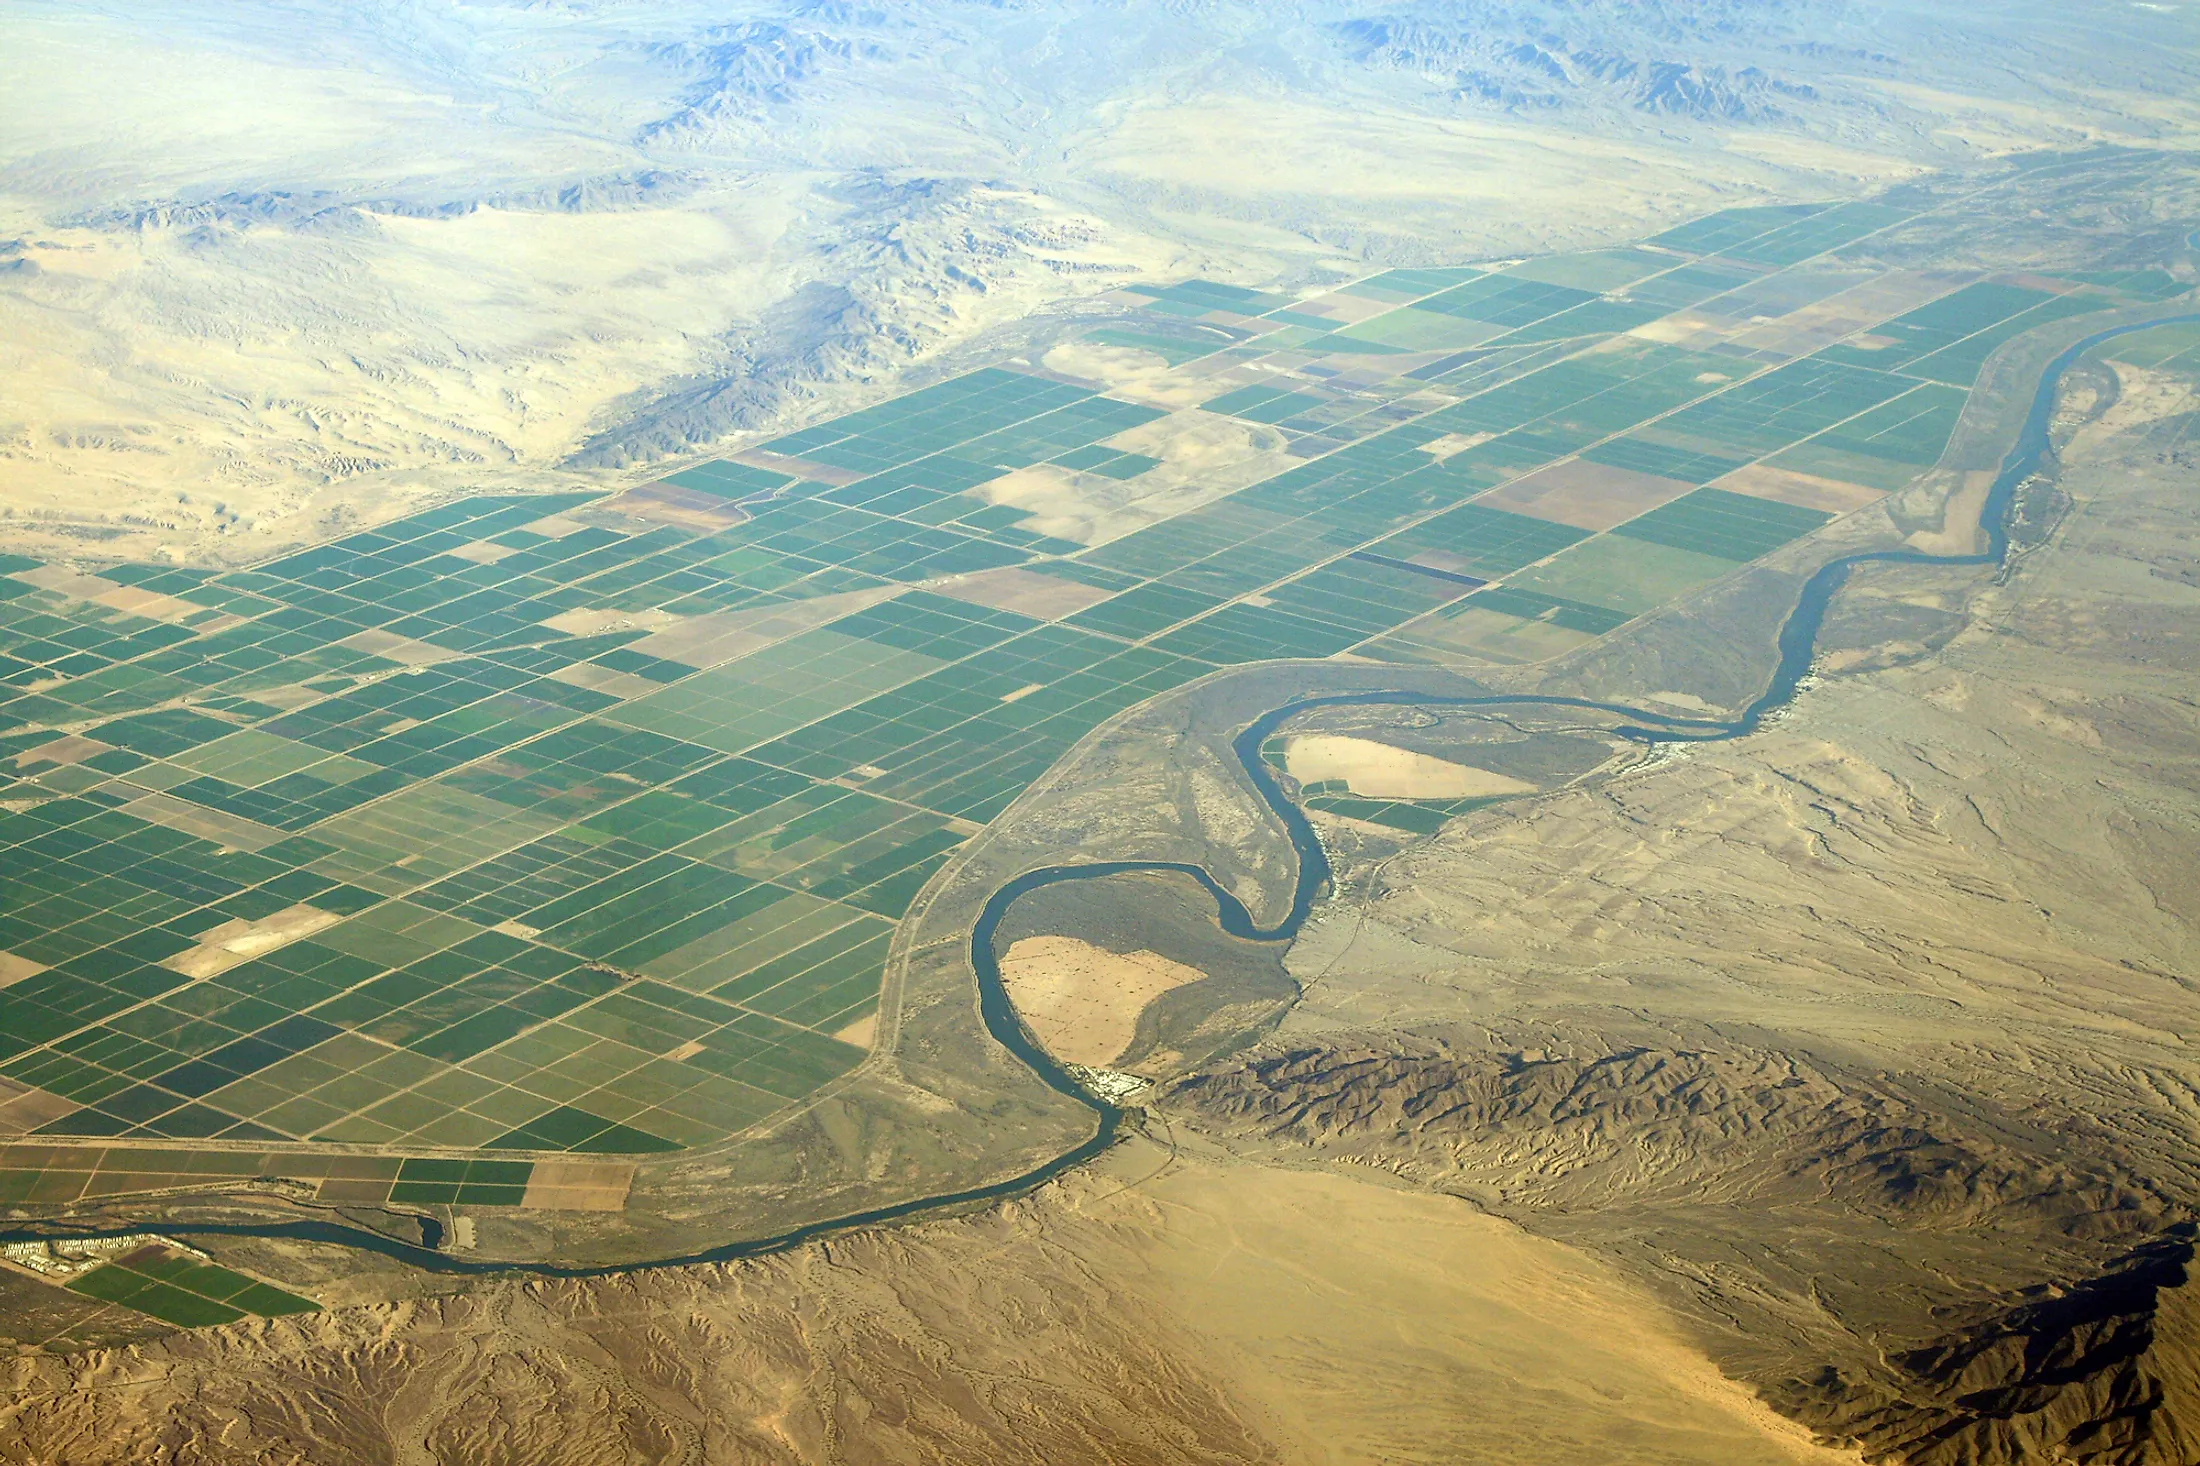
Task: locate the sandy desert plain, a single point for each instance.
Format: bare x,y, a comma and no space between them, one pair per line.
1569,838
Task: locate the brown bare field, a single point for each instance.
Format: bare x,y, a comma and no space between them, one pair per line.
1026,592
103,592
1830,495
1136,376
237,941
14,968
670,504
1344,308
393,648
586,622
70,748
721,636
577,1185
1696,329
1586,495
1959,530
482,552
23,1109
1082,1002
603,679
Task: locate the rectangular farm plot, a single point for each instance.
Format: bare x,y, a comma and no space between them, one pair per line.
966,741
1468,629
722,479
1768,413
928,421
1505,300
1732,527
1959,364
1940,323
1411,283
1828,496
1201,296
1730,227
1591,395
1621,575
1480,540
1692,284
776,690
181,1289
1583,494
1032,593
1410,329
1816,234
1265,404
1317,615
2172,348
1662,460
1886,447
1601,269
419,834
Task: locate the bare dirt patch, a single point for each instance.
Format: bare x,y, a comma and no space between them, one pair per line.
394,648
1586,495
1081,1001
579,1185
603,679
1202,457
1026,592
1959,523
1126,372
685,508
1831,495
1384,771
721,636
236,942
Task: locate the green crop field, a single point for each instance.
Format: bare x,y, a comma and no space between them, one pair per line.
535,825
178,1288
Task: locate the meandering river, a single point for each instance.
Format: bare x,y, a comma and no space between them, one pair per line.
1797,645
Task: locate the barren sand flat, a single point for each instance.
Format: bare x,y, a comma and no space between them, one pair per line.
1303,150
1126,372
1082,1001
1377,1325
1382,771
1959,530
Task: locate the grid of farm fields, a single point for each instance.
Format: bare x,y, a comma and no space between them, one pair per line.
475,856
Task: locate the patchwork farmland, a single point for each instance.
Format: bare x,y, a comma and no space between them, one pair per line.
470,858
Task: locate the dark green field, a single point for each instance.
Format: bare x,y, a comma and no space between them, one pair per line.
177,1288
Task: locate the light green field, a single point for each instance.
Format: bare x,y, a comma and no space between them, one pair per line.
775,691
421,833
1415,330
1623,574
1599,270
